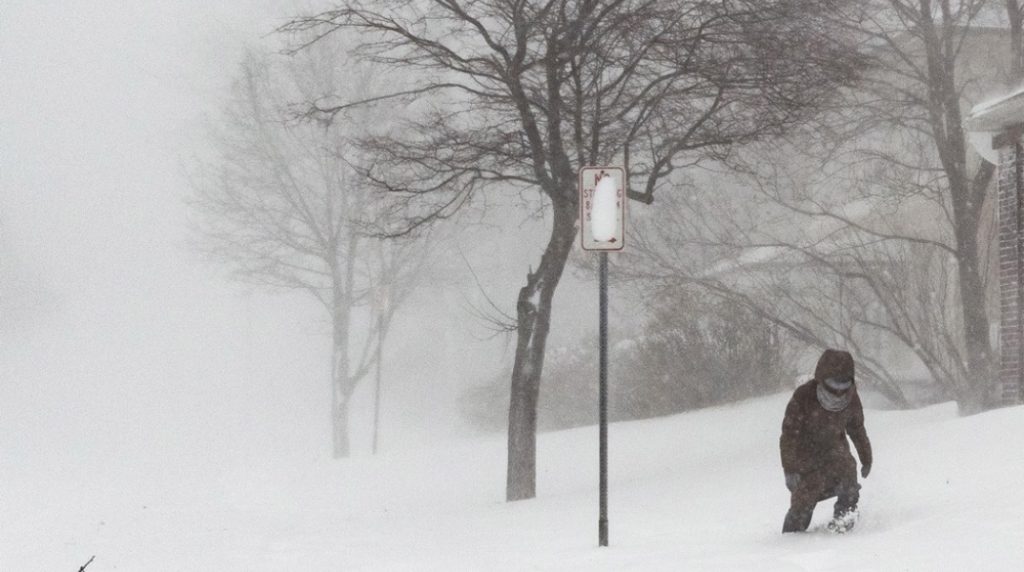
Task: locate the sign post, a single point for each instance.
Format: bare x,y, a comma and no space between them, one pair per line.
602,226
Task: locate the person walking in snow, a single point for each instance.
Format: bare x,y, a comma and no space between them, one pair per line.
816,457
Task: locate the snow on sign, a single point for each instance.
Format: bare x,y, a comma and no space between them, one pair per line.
602,208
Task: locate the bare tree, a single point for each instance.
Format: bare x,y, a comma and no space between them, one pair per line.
280,204
521,93
929,94
822,282
928,51
916,253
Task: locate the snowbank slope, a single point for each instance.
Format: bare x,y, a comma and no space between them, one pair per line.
700,491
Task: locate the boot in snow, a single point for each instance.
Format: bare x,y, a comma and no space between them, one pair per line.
843,522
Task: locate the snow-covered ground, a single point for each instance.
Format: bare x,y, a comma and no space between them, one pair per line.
700,491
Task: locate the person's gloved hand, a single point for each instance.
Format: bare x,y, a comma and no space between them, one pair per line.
792,480
864,470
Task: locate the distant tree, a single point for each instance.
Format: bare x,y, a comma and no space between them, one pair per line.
697,350
883,201
517,95
819,284
694,350
280,205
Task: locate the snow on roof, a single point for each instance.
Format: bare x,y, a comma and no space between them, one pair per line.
857,210
748,257
998,113
863,210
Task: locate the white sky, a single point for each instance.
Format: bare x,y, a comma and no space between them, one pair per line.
116,337
118,343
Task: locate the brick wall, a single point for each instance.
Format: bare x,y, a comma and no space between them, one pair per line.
1011,272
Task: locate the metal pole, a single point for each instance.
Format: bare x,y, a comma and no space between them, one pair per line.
376,400
602,523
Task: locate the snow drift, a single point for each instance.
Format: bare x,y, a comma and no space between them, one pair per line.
698,491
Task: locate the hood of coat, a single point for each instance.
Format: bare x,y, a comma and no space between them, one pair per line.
834,363
835,379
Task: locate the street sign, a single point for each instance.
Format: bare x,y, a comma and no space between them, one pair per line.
602,228
602,222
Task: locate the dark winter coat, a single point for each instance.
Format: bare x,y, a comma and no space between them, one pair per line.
814,438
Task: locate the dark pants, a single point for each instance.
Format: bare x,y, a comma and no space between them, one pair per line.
836,479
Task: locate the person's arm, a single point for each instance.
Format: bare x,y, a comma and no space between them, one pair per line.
859,436
789,443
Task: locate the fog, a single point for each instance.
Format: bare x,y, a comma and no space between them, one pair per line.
123,347
160,414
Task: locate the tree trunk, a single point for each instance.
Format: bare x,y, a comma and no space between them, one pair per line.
967,199
341,388
1013,12
339,418
534,320
972,394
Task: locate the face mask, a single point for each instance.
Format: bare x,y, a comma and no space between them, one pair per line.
834,401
